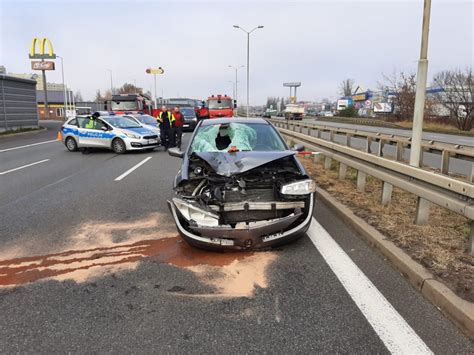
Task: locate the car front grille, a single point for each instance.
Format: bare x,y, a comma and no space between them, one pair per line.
150,137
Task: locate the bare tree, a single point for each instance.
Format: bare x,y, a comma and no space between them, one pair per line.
129,89
457,96
78,97
403,87
346,87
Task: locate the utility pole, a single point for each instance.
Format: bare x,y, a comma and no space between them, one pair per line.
417,130
248,62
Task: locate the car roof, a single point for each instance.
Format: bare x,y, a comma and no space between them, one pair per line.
212,121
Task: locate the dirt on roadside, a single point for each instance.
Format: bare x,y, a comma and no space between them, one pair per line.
440,246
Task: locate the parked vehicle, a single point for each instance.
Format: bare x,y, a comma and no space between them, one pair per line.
294,112
118,133
240,187
146,121
133,103
190,119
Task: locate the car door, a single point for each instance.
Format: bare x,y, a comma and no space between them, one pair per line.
91,133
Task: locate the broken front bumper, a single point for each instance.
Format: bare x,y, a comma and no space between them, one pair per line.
243,236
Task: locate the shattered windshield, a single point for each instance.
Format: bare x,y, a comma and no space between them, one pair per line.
237,137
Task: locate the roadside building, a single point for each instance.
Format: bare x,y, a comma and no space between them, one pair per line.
55,104
17,103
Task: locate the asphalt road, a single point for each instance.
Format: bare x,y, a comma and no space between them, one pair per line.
92,264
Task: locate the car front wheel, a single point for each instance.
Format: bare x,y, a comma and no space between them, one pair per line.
71,144
118,146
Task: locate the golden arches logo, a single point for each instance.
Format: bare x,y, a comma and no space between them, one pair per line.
42,44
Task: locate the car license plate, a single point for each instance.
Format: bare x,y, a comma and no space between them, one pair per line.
152,141
185,125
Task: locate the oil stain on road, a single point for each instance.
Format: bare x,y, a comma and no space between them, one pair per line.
96,253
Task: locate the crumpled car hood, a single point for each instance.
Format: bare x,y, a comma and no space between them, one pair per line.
227,164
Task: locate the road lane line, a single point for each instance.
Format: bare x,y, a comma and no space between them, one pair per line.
392,329
24,166
132,169
28,145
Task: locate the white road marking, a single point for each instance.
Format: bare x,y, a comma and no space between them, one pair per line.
392,329
132,169
24,166
28,145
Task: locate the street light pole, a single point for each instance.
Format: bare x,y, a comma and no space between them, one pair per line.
248,62
111,82
236,79
64,87
417,130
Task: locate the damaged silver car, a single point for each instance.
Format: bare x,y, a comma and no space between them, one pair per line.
240,187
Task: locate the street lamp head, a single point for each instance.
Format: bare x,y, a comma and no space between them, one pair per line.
236,26
260,26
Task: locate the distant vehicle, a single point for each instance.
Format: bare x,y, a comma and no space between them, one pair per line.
294,112
327,114
218,106
132,103
269,113
190,118
118,133
240,187
146,121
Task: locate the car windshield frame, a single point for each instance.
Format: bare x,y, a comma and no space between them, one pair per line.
188,111
112,120
122,105
246,138
149,117
224,104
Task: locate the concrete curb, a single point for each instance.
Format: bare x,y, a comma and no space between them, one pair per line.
459,311
42,129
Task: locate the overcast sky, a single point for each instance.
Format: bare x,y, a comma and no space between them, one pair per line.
319,43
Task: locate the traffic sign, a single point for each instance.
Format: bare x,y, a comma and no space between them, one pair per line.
368,103
158,70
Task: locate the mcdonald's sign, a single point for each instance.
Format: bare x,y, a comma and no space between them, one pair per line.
42,44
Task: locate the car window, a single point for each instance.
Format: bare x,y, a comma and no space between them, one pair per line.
89,123
242,136
73,122
122,122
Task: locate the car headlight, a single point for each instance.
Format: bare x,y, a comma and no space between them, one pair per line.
302,187
200,216
132,135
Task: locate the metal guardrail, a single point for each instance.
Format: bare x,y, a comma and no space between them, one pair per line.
446,150
430,187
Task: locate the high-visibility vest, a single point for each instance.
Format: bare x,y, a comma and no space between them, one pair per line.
90,124
170,117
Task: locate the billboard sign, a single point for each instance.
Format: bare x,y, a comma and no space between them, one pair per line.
42,65
382,107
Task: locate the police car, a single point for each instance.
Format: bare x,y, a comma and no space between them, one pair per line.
118,133
147,121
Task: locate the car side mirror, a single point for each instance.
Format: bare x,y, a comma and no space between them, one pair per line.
175,152
298,147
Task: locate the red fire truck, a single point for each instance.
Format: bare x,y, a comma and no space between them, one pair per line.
217,106
132,103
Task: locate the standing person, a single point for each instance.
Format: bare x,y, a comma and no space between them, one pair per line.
166,120
178,126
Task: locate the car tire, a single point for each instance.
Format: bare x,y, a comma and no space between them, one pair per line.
71,144
118,146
